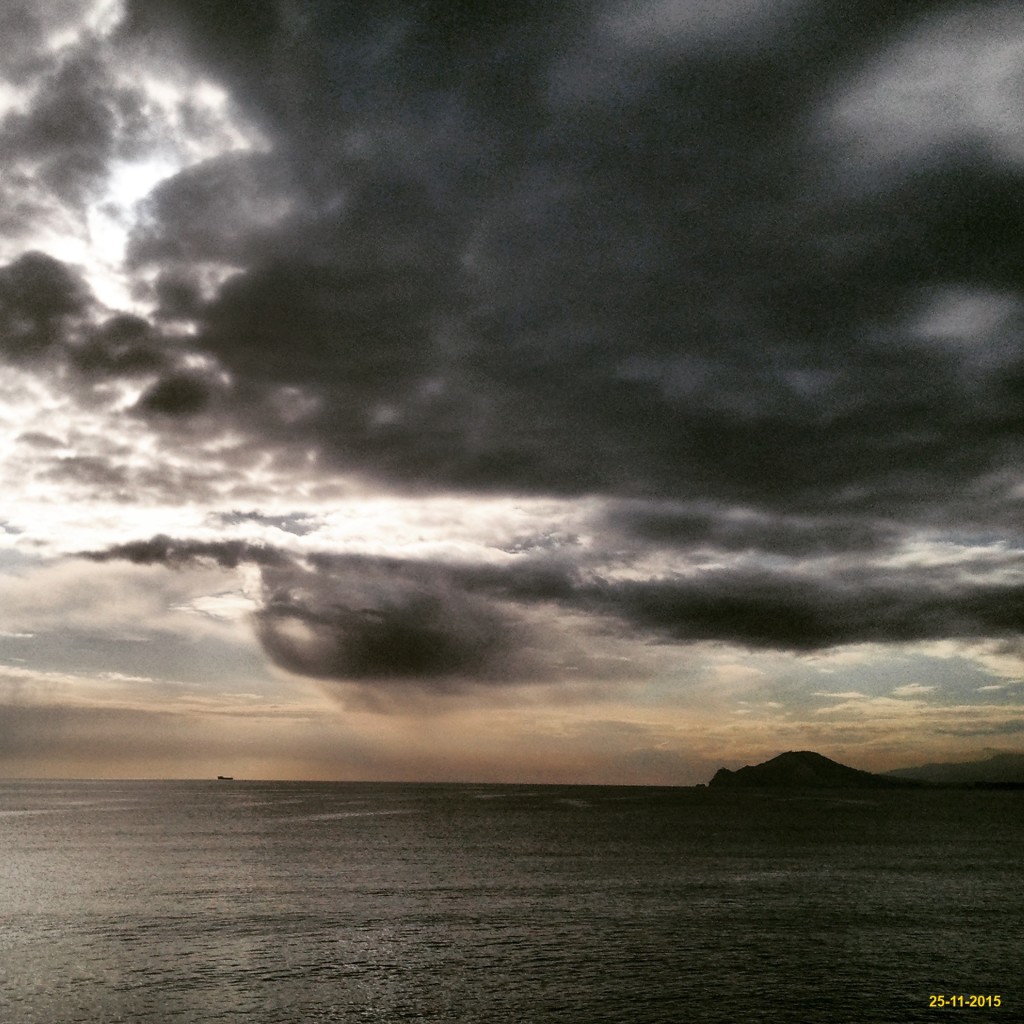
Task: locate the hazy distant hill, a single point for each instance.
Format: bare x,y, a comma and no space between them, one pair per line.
803,769
1000,768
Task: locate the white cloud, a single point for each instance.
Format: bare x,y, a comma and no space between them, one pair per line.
79,595
952,82
188,119
912,690
228,606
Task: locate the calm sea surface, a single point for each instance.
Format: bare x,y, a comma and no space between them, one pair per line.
272,902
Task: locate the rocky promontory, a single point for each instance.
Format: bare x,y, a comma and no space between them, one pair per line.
804,769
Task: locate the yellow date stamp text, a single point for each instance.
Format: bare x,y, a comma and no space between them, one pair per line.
942,1001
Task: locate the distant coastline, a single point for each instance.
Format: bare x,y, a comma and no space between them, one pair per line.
807,769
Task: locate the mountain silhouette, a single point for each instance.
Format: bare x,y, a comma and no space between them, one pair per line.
804,769
1006,768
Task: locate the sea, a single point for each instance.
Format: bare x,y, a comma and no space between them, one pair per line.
264,902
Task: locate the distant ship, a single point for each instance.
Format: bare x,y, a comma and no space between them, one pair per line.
225,778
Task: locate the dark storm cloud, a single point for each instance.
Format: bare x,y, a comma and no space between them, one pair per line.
39,297
48,320
352,617
162,550
121,346
179,394
358,619
220,210
683,528
69,129
45,313
382,622
518,250
794,609
796,613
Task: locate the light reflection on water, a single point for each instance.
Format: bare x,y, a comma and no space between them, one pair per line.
274,902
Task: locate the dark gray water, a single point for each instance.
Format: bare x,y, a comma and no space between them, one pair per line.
274,902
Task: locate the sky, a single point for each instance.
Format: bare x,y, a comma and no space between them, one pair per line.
596,392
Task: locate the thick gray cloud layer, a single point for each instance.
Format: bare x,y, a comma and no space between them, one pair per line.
351,617
38,296
499,267
668,255
558,249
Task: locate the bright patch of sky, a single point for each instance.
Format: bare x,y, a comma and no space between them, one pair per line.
952,83
109,222
193,121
